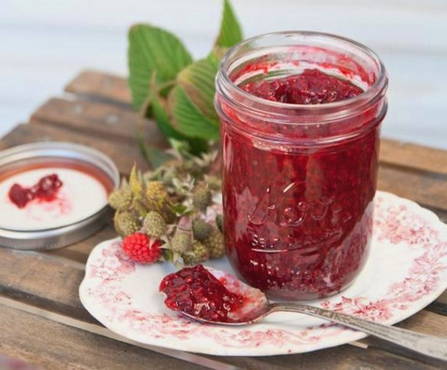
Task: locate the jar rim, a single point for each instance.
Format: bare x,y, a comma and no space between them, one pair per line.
369,94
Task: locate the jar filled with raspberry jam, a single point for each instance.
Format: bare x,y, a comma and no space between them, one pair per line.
300,118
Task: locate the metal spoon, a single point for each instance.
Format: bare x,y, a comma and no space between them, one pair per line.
428,345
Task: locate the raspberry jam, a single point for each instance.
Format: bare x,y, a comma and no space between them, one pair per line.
45,190
42,193
310,87
195,291
300,136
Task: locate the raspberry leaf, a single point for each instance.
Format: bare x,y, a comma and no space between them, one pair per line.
158,108
153,50
187,118
198,82
230,30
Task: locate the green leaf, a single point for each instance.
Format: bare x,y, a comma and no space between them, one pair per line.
152,49
230,30
198,82
187,117
162,118
196,146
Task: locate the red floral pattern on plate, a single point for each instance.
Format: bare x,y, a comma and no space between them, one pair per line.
124,296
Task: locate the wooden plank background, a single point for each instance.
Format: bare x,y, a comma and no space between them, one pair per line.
44,41
41,317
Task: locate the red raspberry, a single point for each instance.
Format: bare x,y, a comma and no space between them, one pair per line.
142,248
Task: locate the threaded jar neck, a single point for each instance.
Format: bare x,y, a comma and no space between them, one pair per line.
283,54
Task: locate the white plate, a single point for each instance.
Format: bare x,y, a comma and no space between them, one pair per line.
406,270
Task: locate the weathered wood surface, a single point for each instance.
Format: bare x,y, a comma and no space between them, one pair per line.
52,345
123,154
41,317
100,120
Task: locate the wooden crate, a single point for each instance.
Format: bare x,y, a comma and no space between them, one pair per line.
41,318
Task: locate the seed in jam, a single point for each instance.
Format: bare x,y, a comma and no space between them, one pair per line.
44,190
195,291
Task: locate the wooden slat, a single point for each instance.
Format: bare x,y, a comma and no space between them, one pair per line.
338,358
123,154
52,345
198,360
335,358
443,298
106,121
413,156
427,189
427,322
52,285
79,252
440,305
48,283
99,84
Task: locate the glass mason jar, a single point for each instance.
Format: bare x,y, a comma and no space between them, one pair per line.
299,179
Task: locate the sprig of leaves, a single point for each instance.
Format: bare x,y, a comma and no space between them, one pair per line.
167,85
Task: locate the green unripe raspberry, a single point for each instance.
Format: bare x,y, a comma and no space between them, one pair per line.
215,244
201,229
154,224
157,199
198,254
201,197
156,195
126,223
219,222
182,241
120,199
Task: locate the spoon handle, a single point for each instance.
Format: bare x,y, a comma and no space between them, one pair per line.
426,344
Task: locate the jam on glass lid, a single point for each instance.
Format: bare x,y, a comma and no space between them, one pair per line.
45,190
48,193
300,115
53,194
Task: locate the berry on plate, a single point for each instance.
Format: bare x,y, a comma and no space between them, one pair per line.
141,248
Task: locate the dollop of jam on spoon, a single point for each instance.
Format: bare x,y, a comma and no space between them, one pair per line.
214,297
211,295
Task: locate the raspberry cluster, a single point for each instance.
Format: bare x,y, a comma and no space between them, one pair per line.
170,215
